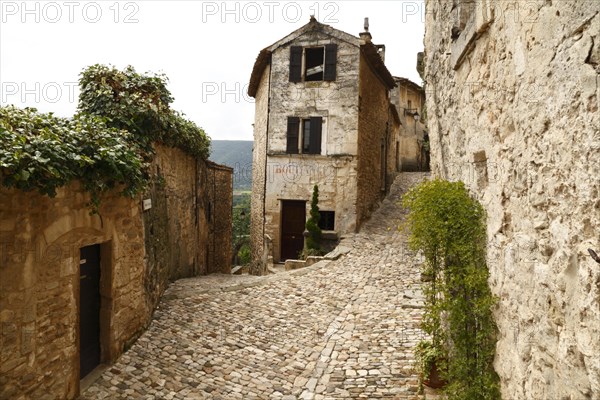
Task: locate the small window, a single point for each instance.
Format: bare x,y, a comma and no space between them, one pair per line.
319,63
314,65
311,137
306,136
327,220
409,105
309,142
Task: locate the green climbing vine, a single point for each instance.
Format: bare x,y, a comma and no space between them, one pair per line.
448,226
108,143
44,152
139,103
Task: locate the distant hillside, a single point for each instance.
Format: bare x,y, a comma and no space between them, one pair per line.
238,155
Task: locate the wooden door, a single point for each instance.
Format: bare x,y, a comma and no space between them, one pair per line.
89,309
293,220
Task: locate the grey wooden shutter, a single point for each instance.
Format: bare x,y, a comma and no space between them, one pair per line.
293,128
330,62
315,135
295,63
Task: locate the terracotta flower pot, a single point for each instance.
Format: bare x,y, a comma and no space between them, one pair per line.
434,379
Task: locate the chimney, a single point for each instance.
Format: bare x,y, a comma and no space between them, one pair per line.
381,51
365,36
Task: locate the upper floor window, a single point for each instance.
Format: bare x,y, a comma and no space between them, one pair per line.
306,136
313,63
310,140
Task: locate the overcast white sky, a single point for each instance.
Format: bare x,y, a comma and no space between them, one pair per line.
206,48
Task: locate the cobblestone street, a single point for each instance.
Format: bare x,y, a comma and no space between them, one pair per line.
342,329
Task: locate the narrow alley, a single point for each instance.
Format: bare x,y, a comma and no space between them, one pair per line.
338,329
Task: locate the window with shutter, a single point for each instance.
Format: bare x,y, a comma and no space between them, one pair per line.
320,63
311,135
330,62
315,135
295,63
293,127
305,139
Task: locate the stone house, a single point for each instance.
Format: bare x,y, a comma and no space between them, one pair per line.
77,289
410,149
513,92
323,116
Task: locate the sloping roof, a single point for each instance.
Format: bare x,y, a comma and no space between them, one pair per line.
262,60
315,25
407,82
375,61
214,165
264,56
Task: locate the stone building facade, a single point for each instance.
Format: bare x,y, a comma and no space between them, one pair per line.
76,289
410,152
513,91
322,117
219,186
188,228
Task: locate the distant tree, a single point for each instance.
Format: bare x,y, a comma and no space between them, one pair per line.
241,229
313,241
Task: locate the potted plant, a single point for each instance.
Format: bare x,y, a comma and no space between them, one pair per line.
430,363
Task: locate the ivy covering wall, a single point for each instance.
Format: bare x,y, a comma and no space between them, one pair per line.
139,103
108,143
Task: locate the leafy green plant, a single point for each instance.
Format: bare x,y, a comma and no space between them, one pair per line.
240,232
245,255
428,355
44,152
313,241
108,143
139,103
448,226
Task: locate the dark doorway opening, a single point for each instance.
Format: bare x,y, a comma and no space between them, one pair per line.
293,221
89,309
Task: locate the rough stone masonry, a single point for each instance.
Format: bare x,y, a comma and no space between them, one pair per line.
513,93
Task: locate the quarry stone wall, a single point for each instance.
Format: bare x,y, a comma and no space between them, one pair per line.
513,92
39,286
145,242
374,127
259,174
